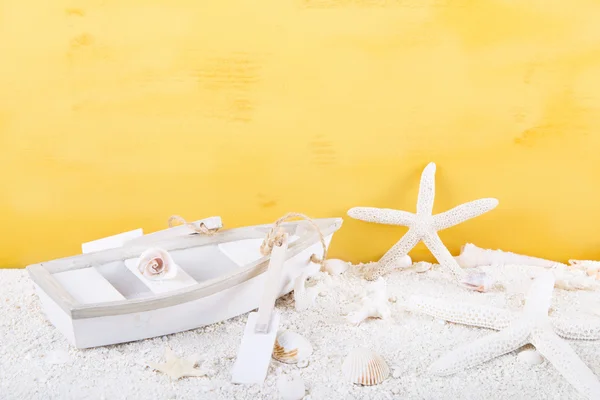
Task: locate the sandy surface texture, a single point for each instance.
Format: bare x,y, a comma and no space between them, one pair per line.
36,362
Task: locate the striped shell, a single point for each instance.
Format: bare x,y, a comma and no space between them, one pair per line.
365,367
291,347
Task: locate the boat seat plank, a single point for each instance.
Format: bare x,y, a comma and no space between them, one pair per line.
88,286
179,281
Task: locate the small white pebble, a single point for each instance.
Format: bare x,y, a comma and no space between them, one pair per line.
396,374
530,357
393,299
395,391
323,293
303,363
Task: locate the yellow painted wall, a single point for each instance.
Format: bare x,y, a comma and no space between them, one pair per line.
115,114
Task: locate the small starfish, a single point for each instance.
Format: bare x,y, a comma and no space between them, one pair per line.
516,330
422,225
177,368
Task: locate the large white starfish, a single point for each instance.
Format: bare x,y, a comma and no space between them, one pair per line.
422,225
532,325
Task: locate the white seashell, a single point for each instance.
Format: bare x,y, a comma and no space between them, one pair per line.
403,262
291,387
302,363
478,281
531,357
423,266
291,347
365,367
156,264
335,266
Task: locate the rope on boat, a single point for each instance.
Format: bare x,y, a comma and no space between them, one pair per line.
275,237
201,228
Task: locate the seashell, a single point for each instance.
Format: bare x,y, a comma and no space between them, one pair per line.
403,262
335,266
291,387
365,367
291,347
156,264
531,357
423,266
478,281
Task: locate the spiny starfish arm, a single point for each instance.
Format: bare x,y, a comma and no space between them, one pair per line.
482,350
441,253
463,213
462,313
426,190
393,255
566,361
539,297
382,215
577,328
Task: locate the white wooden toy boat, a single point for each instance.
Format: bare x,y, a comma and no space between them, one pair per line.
100,298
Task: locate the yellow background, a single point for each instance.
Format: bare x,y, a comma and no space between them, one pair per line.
115,114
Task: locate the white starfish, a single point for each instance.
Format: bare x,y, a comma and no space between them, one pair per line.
422,225
177,368
517,329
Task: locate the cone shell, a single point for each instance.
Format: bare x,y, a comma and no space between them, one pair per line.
365,367
291,347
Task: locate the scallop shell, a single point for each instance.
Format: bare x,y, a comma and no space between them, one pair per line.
291,347
478,281
423,266
365,367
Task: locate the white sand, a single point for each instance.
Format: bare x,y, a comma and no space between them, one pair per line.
36,362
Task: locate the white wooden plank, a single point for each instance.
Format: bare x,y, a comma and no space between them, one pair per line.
244,252
87,286
179,281
111,242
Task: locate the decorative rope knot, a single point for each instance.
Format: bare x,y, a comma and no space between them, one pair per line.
276,235
200,228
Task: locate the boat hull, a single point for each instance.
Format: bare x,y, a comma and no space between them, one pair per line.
223,305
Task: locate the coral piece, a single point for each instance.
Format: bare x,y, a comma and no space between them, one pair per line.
472,256
177,368
304,297
373,305
422,225
335,266
532,325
